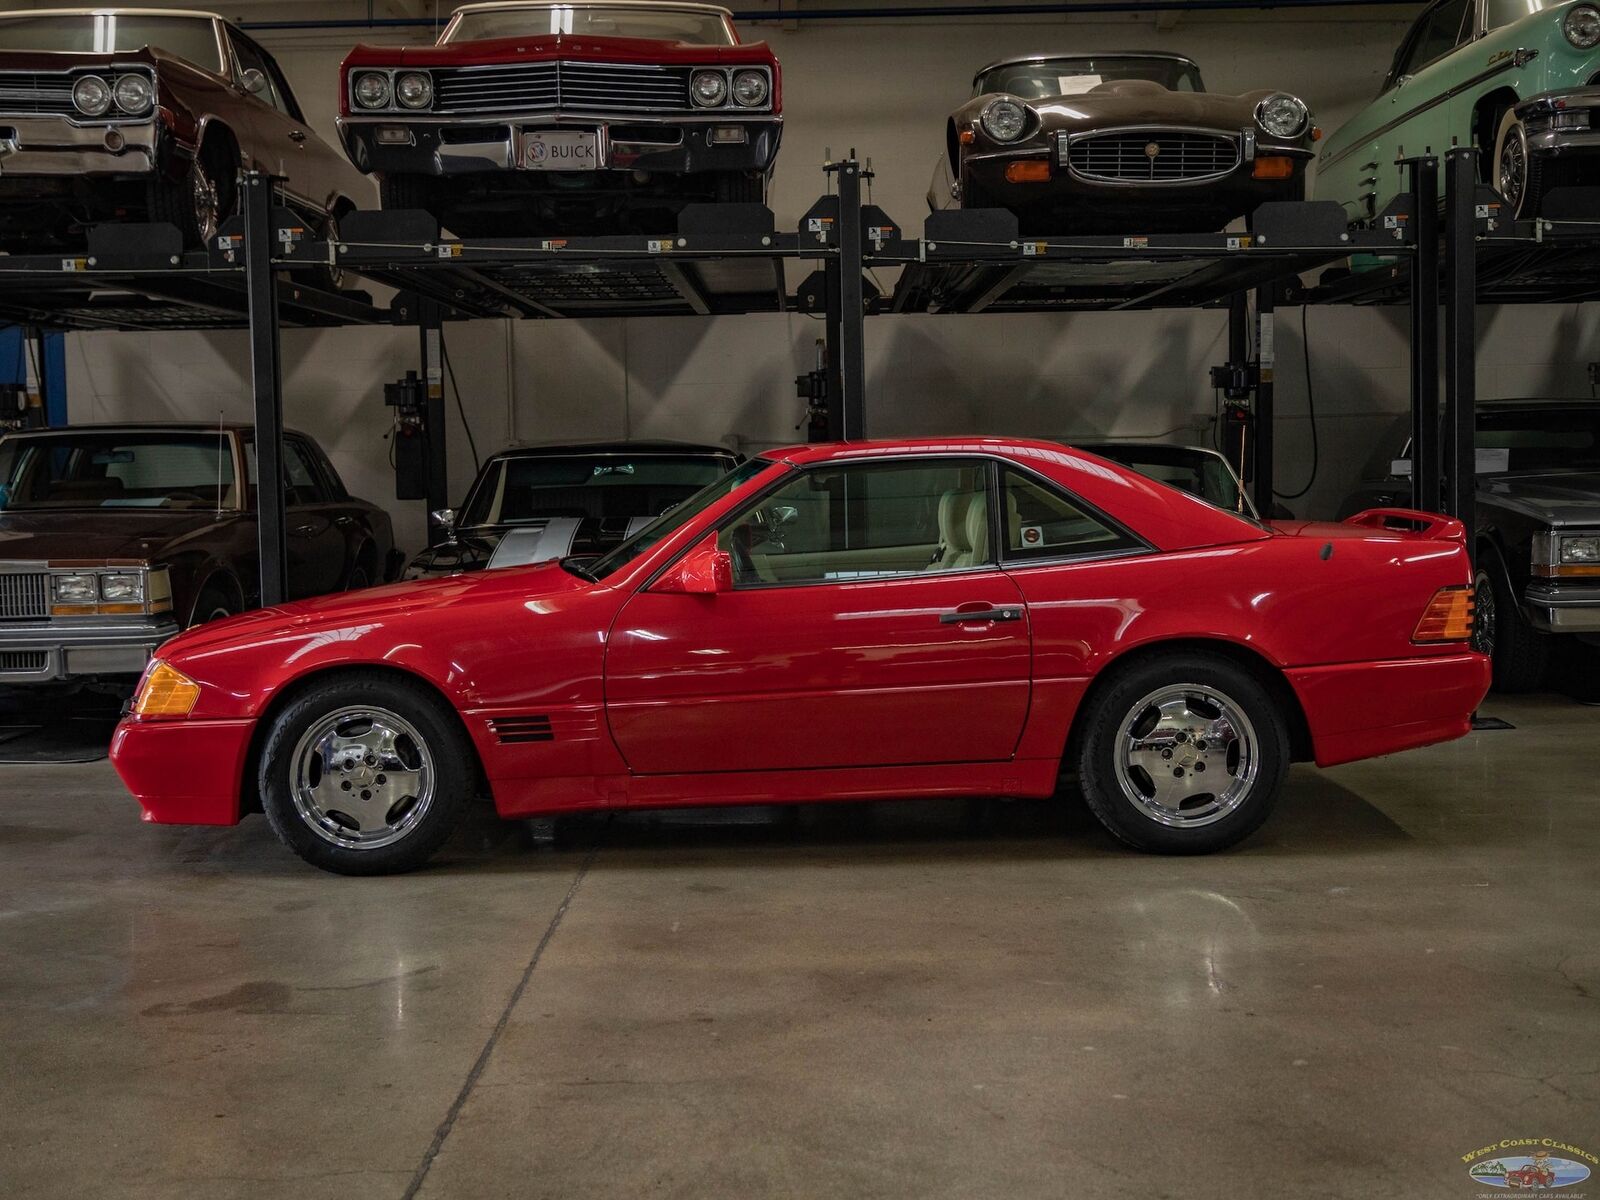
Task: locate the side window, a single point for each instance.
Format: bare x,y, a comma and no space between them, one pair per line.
301,485
1042,522
284,98
251,58
865,521
1440,31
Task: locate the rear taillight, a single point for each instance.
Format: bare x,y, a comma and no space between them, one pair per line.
1448,617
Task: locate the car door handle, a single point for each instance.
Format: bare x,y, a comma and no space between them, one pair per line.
309,528
299,135
980,614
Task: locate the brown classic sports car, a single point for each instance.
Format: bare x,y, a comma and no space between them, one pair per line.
531,116
112,538
1119,143
148,115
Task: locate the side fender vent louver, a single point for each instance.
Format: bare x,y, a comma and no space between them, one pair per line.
513,730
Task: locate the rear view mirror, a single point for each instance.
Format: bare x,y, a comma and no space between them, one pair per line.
253,80
704,571
1401,467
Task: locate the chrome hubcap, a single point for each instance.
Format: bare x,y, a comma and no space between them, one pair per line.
205,203
362,778
1186,755
1513,169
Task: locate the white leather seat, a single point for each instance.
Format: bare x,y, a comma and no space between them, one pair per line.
976,534
953,544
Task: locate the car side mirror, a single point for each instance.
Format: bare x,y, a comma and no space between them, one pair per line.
253,81
445,518
704,571
1401,467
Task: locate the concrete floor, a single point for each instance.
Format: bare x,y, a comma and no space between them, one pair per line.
1402,968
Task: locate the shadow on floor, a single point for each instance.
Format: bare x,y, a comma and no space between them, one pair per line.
45,724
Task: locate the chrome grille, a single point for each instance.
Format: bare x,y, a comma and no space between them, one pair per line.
36,93
24,597
586,87
1179,156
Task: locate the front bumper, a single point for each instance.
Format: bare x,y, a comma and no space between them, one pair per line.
80,647
54,146
1562,122
446,146
184,772
1562,609
1364,709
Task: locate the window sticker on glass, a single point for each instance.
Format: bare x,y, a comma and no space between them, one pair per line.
1076,85
1492,460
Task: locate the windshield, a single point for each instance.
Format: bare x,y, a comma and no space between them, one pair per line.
513,491
1539,439
1207,476
1074,76
1503,12
190,38
669,522
658,23
116,470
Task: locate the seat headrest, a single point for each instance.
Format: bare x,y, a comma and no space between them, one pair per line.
977,530
953,509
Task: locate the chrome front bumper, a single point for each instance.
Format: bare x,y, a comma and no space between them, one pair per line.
76,647
1563,121
1562,609
56,146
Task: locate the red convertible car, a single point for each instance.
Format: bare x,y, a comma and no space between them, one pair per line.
567,118
873,619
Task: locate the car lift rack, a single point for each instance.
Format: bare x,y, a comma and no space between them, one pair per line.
265,270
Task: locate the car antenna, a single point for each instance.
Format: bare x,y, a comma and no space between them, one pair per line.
222,441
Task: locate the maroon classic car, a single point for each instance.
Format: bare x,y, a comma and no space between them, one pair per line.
148,114
570,118
1119,143
114,537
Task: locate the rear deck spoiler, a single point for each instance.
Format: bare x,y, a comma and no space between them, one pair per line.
1411,520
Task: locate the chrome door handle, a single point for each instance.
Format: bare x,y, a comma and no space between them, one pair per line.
981,614
299,135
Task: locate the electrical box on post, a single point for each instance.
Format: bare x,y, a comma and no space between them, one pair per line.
409,437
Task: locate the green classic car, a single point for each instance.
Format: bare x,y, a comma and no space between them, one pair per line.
1519,79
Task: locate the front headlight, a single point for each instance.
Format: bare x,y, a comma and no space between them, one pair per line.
1283,116
165,691
1004,120
414,90
76,589
91,96
709,88
1582,26
122,587
1581,551
372,89
750,88
133,94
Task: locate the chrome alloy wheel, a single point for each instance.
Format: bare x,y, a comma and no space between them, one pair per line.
362,778
207,218
1483,615
1186,755
1513,168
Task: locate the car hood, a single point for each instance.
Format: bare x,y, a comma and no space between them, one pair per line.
356,612
1564,498
1139,102
572,48
136,534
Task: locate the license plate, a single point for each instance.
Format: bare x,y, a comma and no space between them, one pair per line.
560,150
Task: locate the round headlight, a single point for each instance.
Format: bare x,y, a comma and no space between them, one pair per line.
1004,120
1582,26
372,90
750,88
1283,116
91,96
133,93
710,88
414,90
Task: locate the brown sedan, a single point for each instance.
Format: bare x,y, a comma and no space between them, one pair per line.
112,538
1119,143
148,115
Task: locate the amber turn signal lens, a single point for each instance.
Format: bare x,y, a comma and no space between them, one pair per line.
1448,617
166,692
1273,168
1030,170
966,137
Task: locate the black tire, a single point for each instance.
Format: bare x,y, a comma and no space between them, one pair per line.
360,574
214,603
441,744
741,187
213,173
1519,652
1515,173
1121,698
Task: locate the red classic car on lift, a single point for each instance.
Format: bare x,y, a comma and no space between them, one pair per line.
532,117
955,617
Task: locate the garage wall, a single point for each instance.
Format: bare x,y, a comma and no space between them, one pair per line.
883,89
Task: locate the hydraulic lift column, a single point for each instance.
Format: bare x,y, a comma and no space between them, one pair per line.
1460,322
430,324
266,385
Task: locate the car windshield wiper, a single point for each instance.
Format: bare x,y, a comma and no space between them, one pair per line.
574,566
